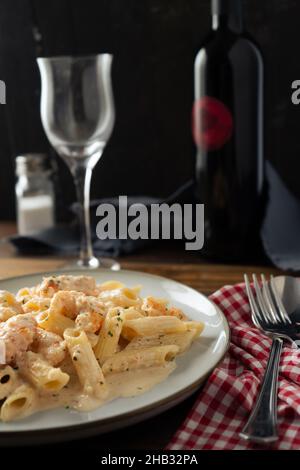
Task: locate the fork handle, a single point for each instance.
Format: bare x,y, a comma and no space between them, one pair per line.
261,426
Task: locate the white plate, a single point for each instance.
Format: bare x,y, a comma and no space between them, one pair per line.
192,368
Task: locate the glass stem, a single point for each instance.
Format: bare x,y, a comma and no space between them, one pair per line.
82,173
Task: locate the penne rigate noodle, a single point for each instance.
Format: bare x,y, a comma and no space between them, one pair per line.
93,339
182,340
36,305
19,404
110,285
197,326
137,289
131,313
109,334
8,379
87,367
24,292
9,300
122,297
131,296
139,358
147,326
54,322
42,375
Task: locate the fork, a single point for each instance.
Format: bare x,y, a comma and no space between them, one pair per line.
269,315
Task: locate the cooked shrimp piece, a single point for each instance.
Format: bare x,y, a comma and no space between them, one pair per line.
156,307
90,322
64,302
90,313
18,333
50,345
53,284
89,303
74,304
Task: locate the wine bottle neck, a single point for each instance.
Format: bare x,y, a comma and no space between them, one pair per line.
227,14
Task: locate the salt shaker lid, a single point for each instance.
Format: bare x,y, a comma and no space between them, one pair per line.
32,163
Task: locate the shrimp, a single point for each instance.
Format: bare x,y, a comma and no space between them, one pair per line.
64,302
18,333
154,308
90,313
51,285
50,345
87,311
90,322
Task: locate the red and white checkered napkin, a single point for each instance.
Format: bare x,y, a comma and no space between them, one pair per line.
224,404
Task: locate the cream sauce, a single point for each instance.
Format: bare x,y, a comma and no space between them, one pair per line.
123,384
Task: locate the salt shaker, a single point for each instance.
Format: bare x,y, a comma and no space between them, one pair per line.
35,193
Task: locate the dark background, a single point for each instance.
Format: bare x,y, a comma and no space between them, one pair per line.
154,43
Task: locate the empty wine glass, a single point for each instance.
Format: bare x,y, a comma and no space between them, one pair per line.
77,111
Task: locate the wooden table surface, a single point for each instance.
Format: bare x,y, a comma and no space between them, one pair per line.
168,261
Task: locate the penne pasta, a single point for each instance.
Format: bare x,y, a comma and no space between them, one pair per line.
9,300
137,289
19,404
139,358
8,380
110,334
42,375
182,340
93,339
23,293
54,322
121,297
36,304
87,367
131,313
196,326
9,306
152,325
110,285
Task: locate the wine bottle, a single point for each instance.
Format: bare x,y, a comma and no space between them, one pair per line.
228,132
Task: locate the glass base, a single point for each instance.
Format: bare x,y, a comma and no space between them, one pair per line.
94,263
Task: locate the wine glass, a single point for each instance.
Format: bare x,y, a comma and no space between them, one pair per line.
78,115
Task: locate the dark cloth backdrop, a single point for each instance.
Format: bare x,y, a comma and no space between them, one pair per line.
154,42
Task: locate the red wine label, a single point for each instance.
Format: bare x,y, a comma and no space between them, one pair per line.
212,123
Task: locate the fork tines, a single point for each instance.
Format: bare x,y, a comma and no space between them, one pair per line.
268,307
